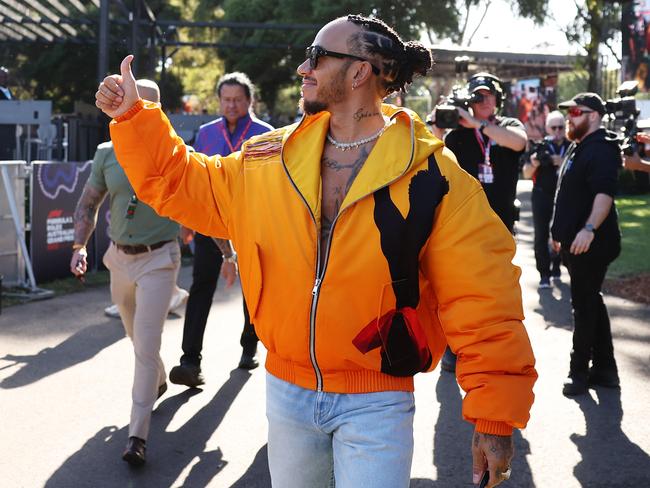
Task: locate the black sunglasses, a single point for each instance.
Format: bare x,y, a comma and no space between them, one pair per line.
315,52
556,127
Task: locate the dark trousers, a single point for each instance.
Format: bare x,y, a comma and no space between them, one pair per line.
205,274
592,335
548,262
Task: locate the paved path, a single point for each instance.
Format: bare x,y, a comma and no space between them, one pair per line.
66,370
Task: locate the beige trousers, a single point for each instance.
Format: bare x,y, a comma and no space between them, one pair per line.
141,287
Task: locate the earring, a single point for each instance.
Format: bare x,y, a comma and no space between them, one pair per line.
354,85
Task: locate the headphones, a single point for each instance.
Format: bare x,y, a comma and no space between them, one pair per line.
491,82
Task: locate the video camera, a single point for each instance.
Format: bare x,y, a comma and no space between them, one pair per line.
623,115
447,116
542,151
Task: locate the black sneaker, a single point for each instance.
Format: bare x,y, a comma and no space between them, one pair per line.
544,283
248,361
186,374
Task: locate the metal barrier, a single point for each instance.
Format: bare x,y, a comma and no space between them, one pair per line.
13,248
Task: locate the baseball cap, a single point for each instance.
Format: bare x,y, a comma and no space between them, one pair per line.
484,81
588,99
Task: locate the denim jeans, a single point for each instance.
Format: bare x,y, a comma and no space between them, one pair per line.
362,439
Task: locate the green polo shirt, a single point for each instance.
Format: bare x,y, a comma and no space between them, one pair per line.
146,226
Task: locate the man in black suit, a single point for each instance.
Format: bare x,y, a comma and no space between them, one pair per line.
7,131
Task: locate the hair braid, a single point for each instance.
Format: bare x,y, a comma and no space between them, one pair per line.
400,61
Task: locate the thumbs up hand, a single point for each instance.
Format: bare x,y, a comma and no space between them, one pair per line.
118,93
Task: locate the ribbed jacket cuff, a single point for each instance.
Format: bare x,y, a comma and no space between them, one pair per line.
493,427
137,106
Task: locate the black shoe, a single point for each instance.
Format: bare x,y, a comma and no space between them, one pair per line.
161,390
248,361
574,387
606,378
448,362
186,374
134,453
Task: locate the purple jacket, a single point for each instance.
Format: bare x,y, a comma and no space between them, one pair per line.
210,140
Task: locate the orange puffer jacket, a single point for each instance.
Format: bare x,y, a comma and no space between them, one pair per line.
416,258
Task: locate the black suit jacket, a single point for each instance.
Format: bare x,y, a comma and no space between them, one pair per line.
7,136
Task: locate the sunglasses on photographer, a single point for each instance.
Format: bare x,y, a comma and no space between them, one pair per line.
577,112
556,127
313,53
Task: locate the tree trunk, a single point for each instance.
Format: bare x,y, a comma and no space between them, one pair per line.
594,11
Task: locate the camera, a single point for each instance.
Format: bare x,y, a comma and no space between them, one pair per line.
447,116
623,114
543,153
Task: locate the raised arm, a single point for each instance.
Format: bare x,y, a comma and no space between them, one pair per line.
188,187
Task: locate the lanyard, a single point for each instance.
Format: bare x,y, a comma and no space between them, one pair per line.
485,146
562,149
241,138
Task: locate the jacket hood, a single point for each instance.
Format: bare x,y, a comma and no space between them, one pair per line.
601,135
406,140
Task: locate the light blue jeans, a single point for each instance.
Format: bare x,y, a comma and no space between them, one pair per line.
364,439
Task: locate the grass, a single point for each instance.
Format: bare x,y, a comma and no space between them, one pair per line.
634,219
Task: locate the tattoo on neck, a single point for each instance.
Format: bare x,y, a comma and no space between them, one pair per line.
362,113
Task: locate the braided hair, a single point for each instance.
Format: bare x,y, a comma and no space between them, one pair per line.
400,61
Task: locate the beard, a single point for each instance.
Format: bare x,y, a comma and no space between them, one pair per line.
577,132
332,92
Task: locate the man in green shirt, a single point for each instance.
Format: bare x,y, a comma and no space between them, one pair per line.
143,260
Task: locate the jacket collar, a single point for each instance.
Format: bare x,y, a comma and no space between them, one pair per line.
405,141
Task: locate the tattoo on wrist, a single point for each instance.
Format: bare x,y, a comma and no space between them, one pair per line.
497,444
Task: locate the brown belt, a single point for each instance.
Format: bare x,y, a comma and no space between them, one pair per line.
139,248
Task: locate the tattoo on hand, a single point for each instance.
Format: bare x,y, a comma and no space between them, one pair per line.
499,445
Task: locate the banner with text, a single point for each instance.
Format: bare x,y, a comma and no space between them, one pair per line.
55,191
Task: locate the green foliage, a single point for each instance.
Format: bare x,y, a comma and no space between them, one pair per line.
171,92
597,24
571,83
634,219
274,67
67,73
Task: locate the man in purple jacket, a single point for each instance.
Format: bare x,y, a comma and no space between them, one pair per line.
223,136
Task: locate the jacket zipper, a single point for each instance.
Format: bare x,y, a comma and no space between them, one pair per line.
317,280
320,273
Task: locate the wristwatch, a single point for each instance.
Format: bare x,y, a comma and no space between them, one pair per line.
589,228
232,259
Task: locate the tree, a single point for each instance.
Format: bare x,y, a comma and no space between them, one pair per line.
274,66
67,72
534,9
597,23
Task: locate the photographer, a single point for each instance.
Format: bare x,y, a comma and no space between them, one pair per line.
634,161
585,231
542,167
488,147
